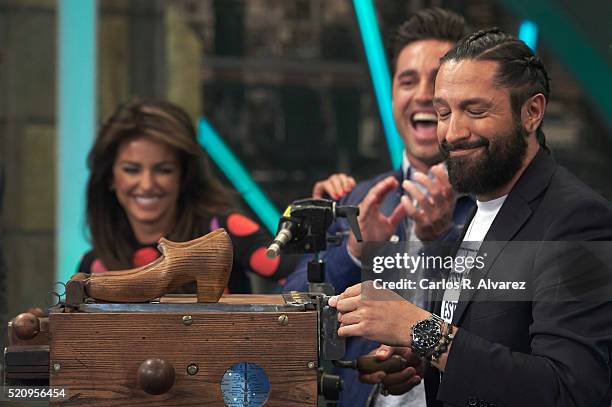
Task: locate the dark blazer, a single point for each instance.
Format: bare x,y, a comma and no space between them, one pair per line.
547,351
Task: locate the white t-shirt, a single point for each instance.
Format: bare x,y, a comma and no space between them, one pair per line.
475,234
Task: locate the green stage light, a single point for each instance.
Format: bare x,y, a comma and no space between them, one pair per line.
379,72
76,118
528,33
225,159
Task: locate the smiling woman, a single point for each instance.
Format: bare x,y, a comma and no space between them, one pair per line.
146,179
151,179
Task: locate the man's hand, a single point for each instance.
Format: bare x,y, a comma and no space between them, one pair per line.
398,382
373,224
433,212
336,186
377,315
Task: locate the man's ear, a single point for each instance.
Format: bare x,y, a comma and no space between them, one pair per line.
532,112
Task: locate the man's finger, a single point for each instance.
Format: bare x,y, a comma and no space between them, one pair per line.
441,178
392,379
352,291
412,211
384,352
351,330
409,355
440,173
431,187
372,378
404,387
346,305
422,199
350,318
380,190
439,194
398,214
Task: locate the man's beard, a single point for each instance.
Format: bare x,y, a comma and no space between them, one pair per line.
499,162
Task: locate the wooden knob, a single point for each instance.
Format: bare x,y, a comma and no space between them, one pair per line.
26,326
37,311
155,376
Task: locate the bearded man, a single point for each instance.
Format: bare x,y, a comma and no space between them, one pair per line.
552,349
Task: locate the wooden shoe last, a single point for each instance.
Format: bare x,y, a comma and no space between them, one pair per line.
206,260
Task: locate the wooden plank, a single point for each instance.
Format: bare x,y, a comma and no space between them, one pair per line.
99,355
228,299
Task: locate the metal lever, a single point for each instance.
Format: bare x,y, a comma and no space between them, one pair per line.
350,213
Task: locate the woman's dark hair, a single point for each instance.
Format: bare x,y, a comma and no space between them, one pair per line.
201,195
518,69
426,24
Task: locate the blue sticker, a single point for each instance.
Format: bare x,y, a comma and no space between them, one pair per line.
245,385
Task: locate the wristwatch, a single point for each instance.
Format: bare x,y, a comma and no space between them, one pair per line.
431,337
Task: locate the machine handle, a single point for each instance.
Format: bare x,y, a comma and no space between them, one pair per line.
350,212
371,364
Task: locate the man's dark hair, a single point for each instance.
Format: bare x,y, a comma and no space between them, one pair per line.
518,68
427,24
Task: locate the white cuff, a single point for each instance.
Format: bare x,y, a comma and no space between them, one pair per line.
355,260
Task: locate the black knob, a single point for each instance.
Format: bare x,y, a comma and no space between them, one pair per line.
155,376
330,386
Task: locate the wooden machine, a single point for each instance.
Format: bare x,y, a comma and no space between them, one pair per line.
118,339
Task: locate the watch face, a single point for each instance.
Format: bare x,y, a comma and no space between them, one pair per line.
426,335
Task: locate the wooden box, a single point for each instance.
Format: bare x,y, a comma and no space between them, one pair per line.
96,351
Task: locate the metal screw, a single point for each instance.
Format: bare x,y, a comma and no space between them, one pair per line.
283,320
192,369
57,367
310,365
187,320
